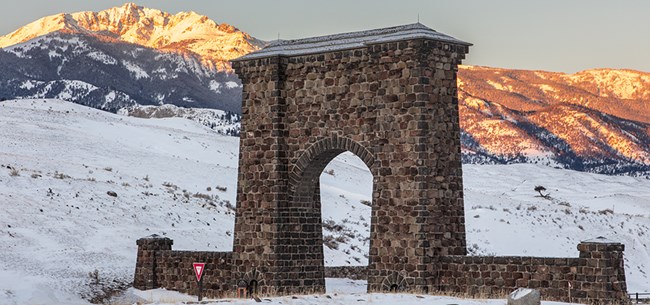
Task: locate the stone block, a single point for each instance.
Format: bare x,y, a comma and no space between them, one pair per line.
524,296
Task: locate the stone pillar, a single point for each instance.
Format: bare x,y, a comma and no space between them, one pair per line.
145,267
604,273
259,244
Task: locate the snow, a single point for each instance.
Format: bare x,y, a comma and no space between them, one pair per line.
102,57
215,85
29,84
600,240
58,223
340,291
498,86
546,88
81,228
53,42
135,70
623,84
110,97
69,91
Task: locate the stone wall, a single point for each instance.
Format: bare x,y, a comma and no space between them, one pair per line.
347,272
174,271
158,266
596,276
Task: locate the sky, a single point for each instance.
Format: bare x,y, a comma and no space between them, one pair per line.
552,35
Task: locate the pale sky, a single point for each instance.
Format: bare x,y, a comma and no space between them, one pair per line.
552,35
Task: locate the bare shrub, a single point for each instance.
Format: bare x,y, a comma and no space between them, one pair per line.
202,196
170,185
606,211
58,175
330,242
541,189
14,172
330,225
229,205
100,289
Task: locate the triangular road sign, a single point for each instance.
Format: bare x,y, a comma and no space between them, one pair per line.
198,270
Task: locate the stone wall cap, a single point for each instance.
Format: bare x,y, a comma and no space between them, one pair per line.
154,236
352,40
600,240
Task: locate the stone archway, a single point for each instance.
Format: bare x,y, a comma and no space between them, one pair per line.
388,96
304,235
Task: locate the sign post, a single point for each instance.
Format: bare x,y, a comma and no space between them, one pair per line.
198,271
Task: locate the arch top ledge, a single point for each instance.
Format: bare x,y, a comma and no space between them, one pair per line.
352,40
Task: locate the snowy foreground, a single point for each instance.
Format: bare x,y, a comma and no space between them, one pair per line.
340,291
78,186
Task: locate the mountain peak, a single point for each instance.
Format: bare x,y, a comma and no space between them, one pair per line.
130,6
190,32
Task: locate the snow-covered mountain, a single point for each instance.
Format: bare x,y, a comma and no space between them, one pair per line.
595,120
125,56
78,186
186,32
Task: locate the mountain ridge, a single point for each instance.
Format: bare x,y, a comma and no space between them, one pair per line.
216,44
579,121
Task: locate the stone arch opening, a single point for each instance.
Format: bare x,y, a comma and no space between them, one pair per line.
346,187
302,237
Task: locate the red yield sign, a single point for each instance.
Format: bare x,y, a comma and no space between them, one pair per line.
198,270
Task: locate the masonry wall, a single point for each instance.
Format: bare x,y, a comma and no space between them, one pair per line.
174,270
597,276
158,266
347,272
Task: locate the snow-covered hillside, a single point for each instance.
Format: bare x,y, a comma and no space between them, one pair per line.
78,186
223,122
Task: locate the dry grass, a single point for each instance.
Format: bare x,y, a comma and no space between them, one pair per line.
14,172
